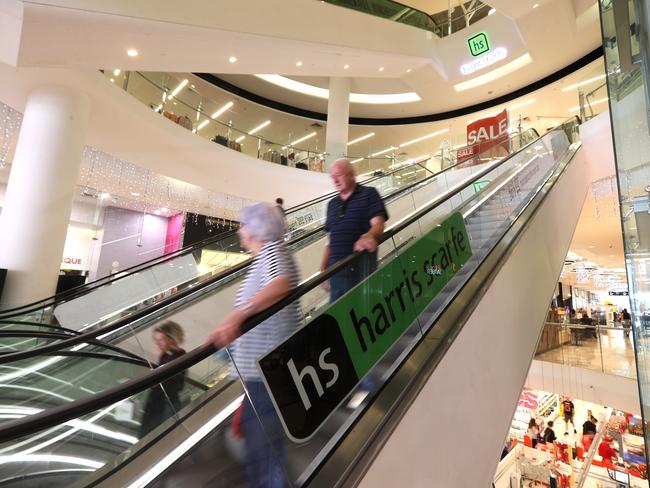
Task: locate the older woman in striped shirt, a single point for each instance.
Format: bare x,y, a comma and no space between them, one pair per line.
270,277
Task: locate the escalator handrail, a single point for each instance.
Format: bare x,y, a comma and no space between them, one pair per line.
13,429
224,275
88,287
408,380
81,290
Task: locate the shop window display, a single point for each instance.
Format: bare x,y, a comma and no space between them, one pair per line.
537,462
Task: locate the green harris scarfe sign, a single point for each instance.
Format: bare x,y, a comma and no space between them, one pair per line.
316,368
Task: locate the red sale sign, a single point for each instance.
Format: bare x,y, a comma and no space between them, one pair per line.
488,132
528,399
484,134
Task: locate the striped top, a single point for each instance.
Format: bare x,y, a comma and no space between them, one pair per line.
274,260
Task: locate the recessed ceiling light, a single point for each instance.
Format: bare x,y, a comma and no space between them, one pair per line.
116,72
381,69
362,138
492,11
346,66
536,5
135,194
232,59
104,195
112,80
299,64
132,53
409,70
592,247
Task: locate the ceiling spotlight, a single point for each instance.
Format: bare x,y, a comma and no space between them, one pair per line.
299,64
346,66
112,80
232,59
135,194
132,53
116,72
381,69
492,11
409,70
536,5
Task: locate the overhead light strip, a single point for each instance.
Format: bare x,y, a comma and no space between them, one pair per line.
423,138
595,102
521,104
180,86
582,83
383,152
302,139
187,444
222,110
362,138
260,127
316,91
497,73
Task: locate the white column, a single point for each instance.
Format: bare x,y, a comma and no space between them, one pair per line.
338,113
34,219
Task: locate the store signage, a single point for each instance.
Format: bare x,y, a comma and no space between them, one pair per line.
479,185
484,134
484,61
310,374
72,261
478,44
618,293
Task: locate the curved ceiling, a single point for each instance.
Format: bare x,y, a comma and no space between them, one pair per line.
537,43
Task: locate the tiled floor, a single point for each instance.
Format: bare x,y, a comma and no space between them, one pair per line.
613,354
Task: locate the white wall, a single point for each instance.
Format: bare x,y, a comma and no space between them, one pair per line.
463,414
586,384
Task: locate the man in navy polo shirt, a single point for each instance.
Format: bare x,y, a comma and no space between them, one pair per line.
355,220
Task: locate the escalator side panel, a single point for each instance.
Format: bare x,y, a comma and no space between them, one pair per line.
462,415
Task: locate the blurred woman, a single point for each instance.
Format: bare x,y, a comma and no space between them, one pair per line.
164,400
270,277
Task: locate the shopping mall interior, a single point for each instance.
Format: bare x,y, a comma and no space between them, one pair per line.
486,325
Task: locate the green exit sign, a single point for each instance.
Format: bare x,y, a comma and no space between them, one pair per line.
478,44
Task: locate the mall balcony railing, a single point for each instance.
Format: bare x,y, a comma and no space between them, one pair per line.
180,101
441,24
608,349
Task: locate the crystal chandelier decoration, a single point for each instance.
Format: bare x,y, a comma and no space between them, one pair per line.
605,193
10,121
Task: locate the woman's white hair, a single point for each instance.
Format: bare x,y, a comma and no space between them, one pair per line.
264,222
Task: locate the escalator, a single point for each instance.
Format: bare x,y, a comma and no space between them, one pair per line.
104,309
470,232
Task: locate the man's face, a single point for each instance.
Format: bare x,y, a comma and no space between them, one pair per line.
342,178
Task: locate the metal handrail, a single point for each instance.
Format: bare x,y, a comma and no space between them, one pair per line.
224,275
21,427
